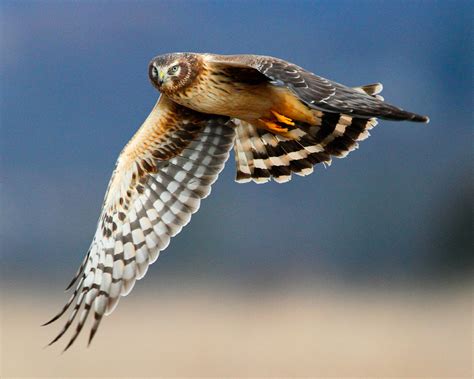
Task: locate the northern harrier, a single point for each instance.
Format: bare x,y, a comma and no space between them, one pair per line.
280,119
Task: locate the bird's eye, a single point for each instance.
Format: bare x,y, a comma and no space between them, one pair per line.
154,72
174,69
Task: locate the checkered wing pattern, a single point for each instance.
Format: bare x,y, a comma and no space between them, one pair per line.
160,178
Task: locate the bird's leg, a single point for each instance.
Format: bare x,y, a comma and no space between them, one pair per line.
283,119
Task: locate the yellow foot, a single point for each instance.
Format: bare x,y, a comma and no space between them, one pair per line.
273,127
283,119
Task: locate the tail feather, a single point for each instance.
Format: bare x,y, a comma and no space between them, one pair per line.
243,154
261,155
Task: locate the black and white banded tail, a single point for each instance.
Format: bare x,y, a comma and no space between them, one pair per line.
261,155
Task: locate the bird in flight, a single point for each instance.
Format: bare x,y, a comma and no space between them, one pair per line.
280,119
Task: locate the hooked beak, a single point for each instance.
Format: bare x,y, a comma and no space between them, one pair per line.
161,77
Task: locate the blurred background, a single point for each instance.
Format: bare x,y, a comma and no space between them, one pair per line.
362,269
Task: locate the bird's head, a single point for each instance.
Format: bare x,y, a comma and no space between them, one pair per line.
171,73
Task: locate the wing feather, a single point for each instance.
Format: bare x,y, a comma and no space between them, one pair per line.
160,178
317,92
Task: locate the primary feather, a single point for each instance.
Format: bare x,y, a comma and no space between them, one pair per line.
154,190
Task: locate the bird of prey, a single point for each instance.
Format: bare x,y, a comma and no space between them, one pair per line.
280,119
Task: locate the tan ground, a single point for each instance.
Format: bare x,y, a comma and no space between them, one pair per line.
210,332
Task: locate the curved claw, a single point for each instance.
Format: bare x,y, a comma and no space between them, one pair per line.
272,126
283,119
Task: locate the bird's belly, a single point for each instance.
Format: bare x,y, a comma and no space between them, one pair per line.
246,102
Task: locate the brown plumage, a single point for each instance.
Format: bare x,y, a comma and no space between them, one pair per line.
280,107
280,119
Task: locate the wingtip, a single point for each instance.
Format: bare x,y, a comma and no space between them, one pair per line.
424,119
73,281
419,118
55,339
71,341
91,337
50,321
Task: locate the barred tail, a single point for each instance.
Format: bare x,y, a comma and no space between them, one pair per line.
261,155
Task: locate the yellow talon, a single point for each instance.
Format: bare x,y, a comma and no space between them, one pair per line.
283,119
273,127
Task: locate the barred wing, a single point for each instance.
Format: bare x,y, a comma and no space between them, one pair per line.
315,91
159,180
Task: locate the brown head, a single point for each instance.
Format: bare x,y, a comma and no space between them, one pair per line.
173,73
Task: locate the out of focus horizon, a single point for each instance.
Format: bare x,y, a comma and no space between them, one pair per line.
389,228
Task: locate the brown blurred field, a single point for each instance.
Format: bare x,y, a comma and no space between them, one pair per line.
211,332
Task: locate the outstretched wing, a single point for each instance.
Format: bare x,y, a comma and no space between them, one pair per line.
159,180
317,92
